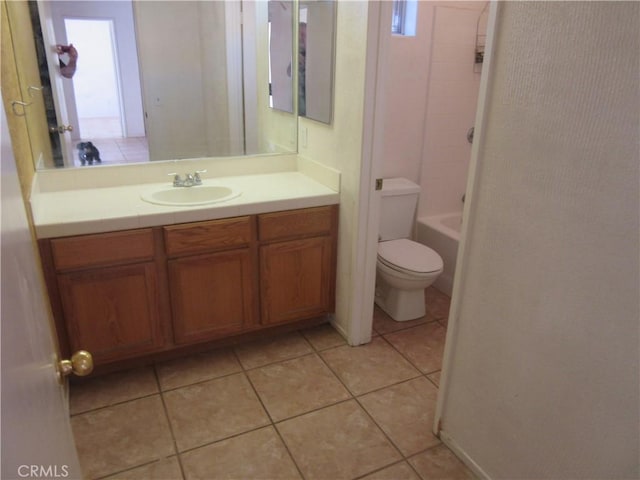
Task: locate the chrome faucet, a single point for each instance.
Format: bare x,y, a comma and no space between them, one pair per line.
190,180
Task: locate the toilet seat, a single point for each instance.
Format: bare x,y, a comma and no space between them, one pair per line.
404,255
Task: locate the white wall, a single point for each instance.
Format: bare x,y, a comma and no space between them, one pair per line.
339,145
405,94
431,93
541,373
451,107
180,122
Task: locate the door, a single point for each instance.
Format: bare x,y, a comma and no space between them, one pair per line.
296,279
36,432
57,83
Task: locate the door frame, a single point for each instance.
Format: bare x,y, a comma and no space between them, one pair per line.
473,180
379,21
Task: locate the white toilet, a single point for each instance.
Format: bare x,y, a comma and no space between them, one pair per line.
404,267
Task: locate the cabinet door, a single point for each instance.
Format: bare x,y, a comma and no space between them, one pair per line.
296,279
211,295
112,312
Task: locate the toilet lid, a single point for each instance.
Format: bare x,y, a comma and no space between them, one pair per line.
409,255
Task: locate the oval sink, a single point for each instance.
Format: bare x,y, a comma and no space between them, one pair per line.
189,196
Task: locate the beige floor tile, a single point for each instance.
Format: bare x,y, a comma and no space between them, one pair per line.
255,455
437,303
115,438
196,368
435,378
271,350
405,412
323,337
399,471
165,469
92,393
383,323
337,442
213,410
422,345
440,462
297,386
368,367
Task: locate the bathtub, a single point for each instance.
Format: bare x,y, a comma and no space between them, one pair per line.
442,233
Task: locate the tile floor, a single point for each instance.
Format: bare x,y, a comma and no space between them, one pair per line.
301,406
120,150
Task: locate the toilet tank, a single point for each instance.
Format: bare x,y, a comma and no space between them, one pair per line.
398,208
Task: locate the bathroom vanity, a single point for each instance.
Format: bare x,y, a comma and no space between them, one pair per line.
135,293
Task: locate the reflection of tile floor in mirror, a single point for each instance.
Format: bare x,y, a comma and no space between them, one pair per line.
119,150
303,405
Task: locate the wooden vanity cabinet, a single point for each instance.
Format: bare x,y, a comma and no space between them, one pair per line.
108,293
130,294
212,279
297,264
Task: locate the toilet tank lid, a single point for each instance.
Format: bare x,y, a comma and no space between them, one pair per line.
398,186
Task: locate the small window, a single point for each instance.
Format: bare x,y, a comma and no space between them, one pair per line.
404,17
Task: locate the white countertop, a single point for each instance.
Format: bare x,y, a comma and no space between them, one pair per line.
94,210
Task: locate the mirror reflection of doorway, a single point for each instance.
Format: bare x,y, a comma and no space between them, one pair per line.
95,84
97,93
104,97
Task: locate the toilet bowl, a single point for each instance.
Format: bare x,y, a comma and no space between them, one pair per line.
404,269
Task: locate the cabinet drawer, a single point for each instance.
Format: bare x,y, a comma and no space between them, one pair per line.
202,237
102,249
296,223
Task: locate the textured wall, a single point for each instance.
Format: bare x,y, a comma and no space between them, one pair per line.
339,145
542,376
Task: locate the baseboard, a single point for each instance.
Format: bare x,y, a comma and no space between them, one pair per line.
462,455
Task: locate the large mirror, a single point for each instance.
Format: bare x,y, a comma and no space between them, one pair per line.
316,51
163,80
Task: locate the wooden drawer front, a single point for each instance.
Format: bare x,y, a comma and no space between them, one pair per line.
203,237
102,249
296,223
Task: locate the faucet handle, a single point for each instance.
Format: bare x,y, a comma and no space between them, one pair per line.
177,181
196,176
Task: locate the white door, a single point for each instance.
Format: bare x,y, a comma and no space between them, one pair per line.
37,441
57,83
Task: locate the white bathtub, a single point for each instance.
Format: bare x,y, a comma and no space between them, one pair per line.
442,233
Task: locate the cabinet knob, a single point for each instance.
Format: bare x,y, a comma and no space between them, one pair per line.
81,364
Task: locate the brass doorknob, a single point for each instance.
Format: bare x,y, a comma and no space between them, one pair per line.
81,364
61,128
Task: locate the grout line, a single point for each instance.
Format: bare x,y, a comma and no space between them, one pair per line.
116,404
404,356
275,338
385,467
218,440
255,392
167,417
137,466
199,382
